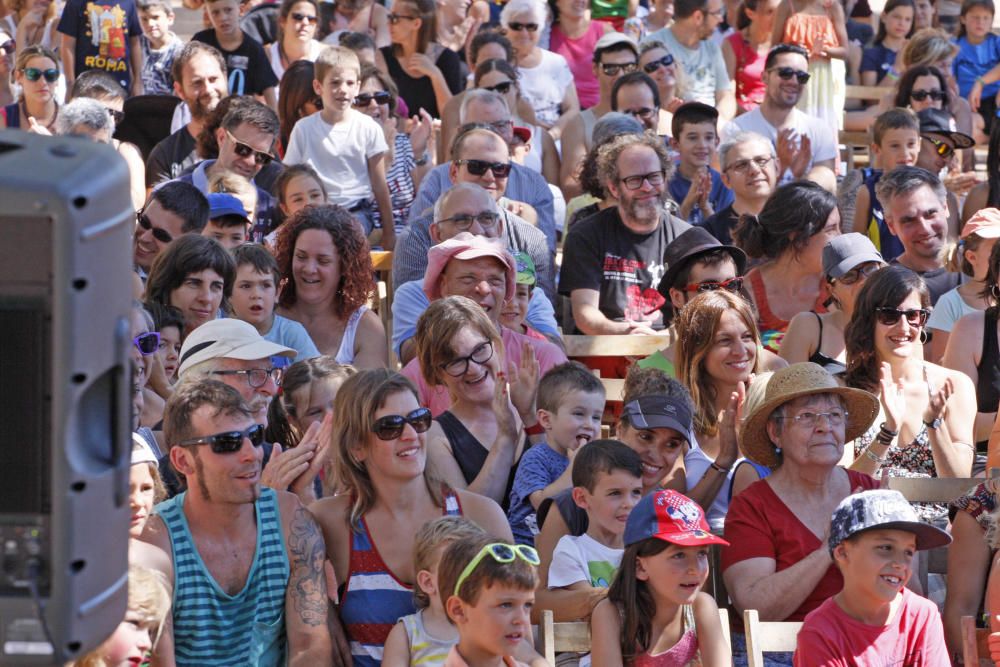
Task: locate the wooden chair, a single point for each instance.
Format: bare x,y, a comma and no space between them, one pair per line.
614,346
767,637
974,643
382,263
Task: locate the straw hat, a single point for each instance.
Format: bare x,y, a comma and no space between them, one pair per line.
787,384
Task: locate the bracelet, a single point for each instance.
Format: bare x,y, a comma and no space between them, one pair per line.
715,466
885,429
537,429
874,457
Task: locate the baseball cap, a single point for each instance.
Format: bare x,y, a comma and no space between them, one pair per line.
525,269
221,203
464,246
522,133
672,517
882,508
842,253
937,121
613,38
658,411
227,338
984,224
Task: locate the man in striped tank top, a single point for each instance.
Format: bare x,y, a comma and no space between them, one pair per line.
246,561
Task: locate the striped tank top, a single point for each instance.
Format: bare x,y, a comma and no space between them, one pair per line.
212,627
372,598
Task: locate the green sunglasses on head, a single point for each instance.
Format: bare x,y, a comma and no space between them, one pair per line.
501,552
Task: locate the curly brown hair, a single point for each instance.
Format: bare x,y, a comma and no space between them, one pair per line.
357,283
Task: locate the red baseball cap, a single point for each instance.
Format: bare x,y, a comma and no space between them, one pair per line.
672,517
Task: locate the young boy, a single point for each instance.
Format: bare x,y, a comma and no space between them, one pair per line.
346,147
254,294
249,70
695,185
895,142
488,587
103,37
160,46
228,222
607,484
570,406
873,538
514,311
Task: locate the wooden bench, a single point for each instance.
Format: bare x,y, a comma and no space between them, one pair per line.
639,347
974,644
768,637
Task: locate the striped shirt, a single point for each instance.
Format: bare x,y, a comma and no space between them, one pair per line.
212,627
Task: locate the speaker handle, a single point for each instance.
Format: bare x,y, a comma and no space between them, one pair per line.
121,429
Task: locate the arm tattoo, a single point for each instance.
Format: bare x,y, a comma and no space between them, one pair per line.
307,580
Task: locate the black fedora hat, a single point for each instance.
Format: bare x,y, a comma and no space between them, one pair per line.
689,246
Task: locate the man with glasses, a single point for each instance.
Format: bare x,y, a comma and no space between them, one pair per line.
246,144
688,39
615,55
246,562
466,207
938,145
915,205
171,210
805,146
636,95
480,156
750,170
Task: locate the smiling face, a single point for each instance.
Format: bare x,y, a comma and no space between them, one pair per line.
496,78
198,298
696,144
743,174
877,563
927,83
313,401
258,398
524,41
231,478
202,85
785,93
920,220
900,340
637,101
315,267
658,448
486,146
900,147
676,574
734,351
577,420
402,458
665,76
615,494
477,384
639,208
484,280
249,135
626,61
301,191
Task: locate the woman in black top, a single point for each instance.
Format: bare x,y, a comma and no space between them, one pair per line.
427,74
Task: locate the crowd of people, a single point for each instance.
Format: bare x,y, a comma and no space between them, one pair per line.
315,482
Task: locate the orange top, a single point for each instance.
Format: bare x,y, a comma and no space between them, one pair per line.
807,29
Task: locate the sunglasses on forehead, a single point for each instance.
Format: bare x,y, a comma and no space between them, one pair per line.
246,150
230,441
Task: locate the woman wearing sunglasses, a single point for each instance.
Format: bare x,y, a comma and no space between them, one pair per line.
656,61
297,21
927,411
746,50
922,87
36,71
380,458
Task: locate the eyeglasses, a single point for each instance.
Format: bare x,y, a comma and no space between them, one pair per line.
612,69
644,112
246,150
734,285
8,47
941,148
915,317
308,18
501,553
256,377
787,73
34,74
160,234
503,87
652,66
858,273
117,116
391,427
479,167
396,18
720,12
654,178
364,99
518,27
810,419
147,343
501,127
743,166
463,222
480,354
921,95
230,441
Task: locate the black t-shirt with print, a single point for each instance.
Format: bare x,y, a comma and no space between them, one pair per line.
170,157
249,70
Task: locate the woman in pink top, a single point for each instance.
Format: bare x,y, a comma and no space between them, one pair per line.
573,37
746,49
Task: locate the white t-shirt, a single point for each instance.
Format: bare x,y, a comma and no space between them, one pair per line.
704,67
339,153
582,558
544,85
274,56
949,307
824,144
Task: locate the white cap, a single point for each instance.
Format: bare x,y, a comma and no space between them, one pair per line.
141,451
227,338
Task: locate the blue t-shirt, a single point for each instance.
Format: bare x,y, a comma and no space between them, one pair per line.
292,334
103,32
720,196
878,59
976,60
540,466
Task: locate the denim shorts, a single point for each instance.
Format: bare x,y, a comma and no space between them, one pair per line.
770,659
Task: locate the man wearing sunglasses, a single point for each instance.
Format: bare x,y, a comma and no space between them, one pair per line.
806,148
915,205
246,561
173,209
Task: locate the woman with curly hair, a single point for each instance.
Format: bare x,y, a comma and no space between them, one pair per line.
326,274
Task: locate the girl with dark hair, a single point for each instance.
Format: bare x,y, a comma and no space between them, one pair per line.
308,389
298,99
788,235
297,23
927,411
922,87
894,28
746,50
326,277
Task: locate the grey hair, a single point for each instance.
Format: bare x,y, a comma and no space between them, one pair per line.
537,9
202,369
482,96
84,111
904,180
613,124
442,202
738,140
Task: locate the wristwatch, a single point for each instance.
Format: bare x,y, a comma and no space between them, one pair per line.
934,424
423,159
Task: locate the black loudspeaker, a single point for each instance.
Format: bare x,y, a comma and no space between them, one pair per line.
65,297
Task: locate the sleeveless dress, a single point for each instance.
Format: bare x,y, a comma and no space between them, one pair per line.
345,354
212,627
470,454
372,598
826,92
749,72
831,365
772,328
682,654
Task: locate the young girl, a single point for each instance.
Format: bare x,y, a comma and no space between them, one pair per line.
424,638
894,28
145,488
975,66
655,614
298,186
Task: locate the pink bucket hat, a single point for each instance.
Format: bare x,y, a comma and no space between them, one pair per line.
465,246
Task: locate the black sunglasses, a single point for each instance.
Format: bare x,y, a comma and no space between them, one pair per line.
921,95
612,69
308,18
364,99
147,343
787,73
479,167
518,27
665,61
246,150
34,74
915,317
858,273
229,442
160,234
503,87
391,427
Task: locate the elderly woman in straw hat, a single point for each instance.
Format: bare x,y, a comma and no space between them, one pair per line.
779,563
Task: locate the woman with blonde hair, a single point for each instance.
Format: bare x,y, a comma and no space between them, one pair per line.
380,455
36,71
